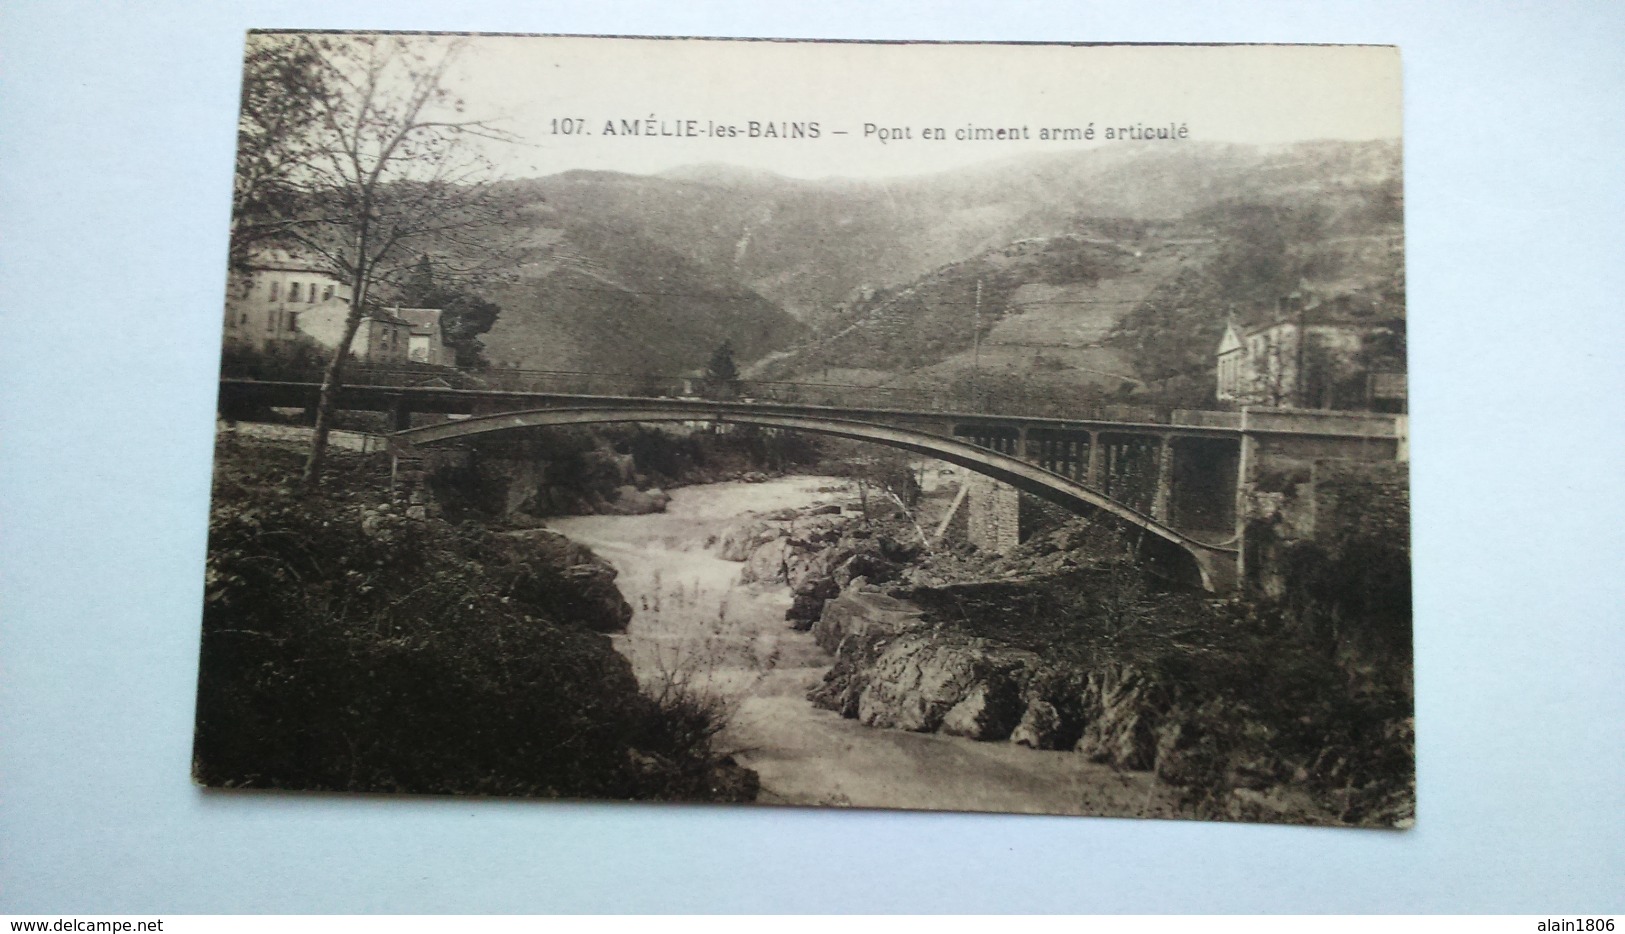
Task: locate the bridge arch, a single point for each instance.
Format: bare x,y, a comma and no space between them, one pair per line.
1214,566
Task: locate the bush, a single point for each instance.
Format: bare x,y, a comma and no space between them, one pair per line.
1241,693
299,355
347,650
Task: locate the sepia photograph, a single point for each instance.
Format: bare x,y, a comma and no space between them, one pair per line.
993,427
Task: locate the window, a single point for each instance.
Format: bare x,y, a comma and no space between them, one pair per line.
327,294
270,321
293,292
312,298
293,320
276,291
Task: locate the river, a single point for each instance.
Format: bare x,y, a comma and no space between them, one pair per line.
694,622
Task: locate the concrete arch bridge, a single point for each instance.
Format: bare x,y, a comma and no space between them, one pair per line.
1175,553
1190,481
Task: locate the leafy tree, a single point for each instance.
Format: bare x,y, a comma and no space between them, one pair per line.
278,136
722,373
392,169
464,316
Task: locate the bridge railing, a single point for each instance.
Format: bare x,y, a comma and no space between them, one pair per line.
960,399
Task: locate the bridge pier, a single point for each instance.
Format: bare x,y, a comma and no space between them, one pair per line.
1295,465
400,414
1162,499
1093,479
993,514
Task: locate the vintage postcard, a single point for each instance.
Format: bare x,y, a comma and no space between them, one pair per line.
979,427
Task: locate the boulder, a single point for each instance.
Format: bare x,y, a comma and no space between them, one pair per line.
865,563
766,562
804,611
1125,709
915,681
631,501
377,526
842,686
1039,727
818,530
858,615
581,587
989,712
739,541
811,572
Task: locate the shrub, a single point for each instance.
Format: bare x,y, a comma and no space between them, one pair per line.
347,650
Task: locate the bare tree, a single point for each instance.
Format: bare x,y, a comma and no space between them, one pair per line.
400,172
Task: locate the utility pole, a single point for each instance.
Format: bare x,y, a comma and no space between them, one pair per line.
976,350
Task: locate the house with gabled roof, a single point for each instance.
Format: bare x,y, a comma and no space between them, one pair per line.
1306,352
267,299
382,336
426,342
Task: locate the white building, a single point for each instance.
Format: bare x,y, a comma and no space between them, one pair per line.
1306,353
281,298
427,342
264,303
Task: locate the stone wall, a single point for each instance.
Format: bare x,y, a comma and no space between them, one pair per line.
1326,502
342,440
1336,558
993,514
1362,500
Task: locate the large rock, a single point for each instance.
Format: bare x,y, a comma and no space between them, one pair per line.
989,711
767,562
855,614
570,582
739,541
818,530
631,501
1124,713
804,611
866,563
1039,727
915,681
856,628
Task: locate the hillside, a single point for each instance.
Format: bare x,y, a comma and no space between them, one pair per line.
605,300
878,277
1123,303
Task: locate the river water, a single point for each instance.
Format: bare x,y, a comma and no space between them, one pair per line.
695,623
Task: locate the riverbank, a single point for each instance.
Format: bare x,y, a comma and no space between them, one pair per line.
348,646
1066,645
698,622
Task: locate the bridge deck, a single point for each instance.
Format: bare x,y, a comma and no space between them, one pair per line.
460,401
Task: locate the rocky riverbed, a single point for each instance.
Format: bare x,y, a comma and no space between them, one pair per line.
711,582
860,665
1066,646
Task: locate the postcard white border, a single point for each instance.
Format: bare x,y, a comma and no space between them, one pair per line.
116,162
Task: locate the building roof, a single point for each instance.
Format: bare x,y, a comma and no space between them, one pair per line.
387,316
422,320
287,261
1350,309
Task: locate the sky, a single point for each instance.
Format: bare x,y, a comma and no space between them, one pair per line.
572,99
